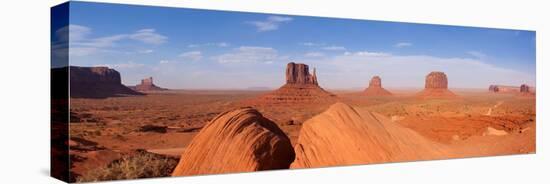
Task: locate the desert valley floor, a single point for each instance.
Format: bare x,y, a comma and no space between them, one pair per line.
478,123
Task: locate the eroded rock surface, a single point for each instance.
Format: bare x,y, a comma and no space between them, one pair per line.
342,136
236,141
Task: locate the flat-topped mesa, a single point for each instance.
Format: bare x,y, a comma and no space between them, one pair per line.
504,89
375,88
298,73
436,86
436,80
147,85
301,87
96,82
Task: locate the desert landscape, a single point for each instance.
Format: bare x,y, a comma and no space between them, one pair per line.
177,132
145,92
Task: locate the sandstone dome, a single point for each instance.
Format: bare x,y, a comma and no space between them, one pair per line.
241,140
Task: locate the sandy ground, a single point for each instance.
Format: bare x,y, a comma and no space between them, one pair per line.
476,124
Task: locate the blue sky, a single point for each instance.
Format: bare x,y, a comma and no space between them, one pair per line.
204,49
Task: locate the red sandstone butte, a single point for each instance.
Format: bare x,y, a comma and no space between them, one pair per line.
436,86
147,85
375,88
527,91
300,87
503,89
96,82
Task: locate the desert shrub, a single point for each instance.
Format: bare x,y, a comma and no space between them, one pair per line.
142,164
153,128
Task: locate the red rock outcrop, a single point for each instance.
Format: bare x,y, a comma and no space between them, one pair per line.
344,136
503,89
300,87
147,85
526,90
299,74
375,88
436,86
236,141
96,82
436,80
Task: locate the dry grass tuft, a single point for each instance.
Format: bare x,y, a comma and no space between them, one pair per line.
142,164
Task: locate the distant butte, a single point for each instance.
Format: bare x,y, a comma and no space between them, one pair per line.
527,91
436,86
504,89
147,85
375,88
96,82
300,87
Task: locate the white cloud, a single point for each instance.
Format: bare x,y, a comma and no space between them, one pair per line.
101,42
81,43
477,54
82,51
147,51
72,32
165,61
410,70
312,44
217,44
270,24
334,48
249,54
126,65
222,44
314,54
367,53
403,44
148,36
192,55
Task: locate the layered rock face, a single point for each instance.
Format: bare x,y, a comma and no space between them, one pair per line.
299,74
343,136
96,82
300,87
436,80
436,86
147,85
503,89
236,141
375,88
